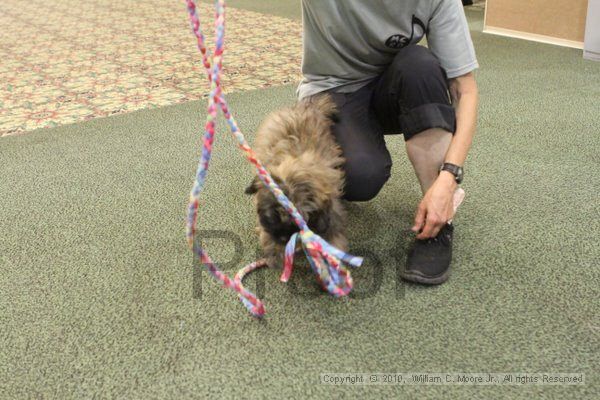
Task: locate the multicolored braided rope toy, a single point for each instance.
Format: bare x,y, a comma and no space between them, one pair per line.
325,260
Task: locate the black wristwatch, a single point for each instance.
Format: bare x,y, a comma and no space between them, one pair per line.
454,170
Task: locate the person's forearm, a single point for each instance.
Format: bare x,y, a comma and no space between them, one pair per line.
465,98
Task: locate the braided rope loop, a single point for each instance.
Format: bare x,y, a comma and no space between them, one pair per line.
326,261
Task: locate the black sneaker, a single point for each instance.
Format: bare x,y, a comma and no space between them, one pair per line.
428,261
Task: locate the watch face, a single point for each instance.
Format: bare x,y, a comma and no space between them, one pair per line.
454,170
459,175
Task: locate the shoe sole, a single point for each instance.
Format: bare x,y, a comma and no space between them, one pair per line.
414,276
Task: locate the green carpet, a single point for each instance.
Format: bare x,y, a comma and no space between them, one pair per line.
97,293
282,8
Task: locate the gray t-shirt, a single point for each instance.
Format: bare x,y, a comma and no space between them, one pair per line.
347,43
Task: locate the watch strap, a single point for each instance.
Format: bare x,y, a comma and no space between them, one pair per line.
454,170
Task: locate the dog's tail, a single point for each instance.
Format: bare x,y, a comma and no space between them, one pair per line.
325,104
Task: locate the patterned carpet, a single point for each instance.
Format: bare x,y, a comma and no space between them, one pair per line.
65,61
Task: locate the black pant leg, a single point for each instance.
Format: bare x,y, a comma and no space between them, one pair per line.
359,134
412,96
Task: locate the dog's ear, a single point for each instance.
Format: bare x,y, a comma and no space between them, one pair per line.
253,187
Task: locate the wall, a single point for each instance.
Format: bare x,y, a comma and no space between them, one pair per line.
592,31
560,19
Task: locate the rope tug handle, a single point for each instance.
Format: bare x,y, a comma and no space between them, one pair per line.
325,260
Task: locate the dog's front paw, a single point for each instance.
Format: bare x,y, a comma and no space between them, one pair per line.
274,261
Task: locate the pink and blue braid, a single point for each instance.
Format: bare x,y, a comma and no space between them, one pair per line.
325,260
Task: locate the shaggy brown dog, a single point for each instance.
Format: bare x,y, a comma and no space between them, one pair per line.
298,149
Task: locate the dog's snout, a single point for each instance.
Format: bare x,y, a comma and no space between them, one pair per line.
283,239
319,221
285,232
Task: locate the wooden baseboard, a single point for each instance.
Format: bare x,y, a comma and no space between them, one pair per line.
533,37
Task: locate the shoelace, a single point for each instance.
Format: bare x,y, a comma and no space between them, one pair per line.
442,237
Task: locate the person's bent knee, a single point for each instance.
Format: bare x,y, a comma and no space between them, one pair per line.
415,55
415,62
364,179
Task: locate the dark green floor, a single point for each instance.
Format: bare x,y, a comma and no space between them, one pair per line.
96,281
282,8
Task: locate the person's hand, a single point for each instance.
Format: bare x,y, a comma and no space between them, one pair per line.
436,208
